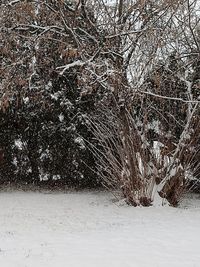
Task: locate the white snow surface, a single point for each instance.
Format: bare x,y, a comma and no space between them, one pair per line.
90,229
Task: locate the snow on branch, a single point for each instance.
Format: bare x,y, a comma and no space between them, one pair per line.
13,2
78,63
169,97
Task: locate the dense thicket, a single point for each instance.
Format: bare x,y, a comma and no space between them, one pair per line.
92,90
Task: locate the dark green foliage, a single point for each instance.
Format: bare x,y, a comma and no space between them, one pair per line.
43,129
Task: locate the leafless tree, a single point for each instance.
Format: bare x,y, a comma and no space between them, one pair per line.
156,73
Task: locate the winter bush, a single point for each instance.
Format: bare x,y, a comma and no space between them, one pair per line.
149,131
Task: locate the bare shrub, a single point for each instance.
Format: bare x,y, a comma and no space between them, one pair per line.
145,170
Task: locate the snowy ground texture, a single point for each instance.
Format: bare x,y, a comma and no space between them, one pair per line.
89,229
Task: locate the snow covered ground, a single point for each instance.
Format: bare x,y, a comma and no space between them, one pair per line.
89,229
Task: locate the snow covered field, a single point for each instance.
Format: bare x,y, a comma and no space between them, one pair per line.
89,229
